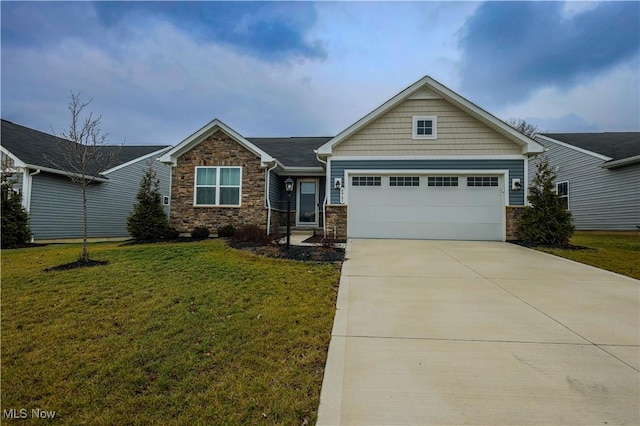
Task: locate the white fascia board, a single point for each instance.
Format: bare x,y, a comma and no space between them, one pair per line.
328,146
622,162
302,171
575,148
63,173
135,160
427,157
197,137
529,146
16,161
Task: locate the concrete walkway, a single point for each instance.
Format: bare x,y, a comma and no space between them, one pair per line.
452,332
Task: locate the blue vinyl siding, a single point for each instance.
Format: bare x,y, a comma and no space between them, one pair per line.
278,193
515,167
599,199
56,203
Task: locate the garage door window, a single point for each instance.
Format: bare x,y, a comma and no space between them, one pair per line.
404,181
482,181
366,181
442,181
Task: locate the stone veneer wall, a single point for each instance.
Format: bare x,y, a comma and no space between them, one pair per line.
514,214
336,216
217,150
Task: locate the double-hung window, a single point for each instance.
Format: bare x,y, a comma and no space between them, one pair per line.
218,186
425,127
562,189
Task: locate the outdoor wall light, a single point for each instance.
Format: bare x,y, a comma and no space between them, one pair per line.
288,186
516,185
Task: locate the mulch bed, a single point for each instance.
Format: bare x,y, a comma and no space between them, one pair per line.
534,246
77,264
302,253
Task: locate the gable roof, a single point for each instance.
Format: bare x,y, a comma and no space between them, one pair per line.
38,150
616,148
203,133
294,151
528,145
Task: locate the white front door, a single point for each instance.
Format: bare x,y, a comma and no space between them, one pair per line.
307,202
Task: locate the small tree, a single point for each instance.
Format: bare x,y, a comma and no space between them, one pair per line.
546,221
85,157
15,219
148,220
523,126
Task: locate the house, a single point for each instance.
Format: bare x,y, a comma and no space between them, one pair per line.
598,177
426,164
54,202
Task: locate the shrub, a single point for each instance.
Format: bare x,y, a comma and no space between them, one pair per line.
328,242
15,220
547,221
253,234
200,232
226,231
148,220
171,234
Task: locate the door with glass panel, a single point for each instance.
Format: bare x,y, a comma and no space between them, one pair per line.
307,207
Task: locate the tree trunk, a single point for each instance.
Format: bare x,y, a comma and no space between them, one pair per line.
85,252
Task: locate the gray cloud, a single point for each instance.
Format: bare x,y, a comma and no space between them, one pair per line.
512,49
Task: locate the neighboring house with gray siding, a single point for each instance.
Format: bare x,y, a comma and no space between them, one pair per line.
426,164
54,202
598,176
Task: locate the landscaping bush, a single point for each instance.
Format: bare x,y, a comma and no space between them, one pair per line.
171,234
253,234
15,220
546,222
148,220
200,232
226,231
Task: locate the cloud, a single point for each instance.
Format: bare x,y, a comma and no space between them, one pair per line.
512,49
270,31
607,103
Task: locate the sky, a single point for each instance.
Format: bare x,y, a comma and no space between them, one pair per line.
156,72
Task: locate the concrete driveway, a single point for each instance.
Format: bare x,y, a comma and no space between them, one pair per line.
453,332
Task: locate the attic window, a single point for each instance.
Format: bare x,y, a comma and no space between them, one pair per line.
425,127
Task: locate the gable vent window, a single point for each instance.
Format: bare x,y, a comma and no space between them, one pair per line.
425,127
366,181
442,181
482,181
562,189
404,181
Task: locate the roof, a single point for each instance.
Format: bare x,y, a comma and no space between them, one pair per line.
529,146
293,151
41,150
203,133
614,145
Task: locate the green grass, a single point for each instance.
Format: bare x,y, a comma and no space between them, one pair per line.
184,333
613,252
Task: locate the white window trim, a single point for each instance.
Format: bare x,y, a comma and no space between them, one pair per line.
564,196
217,186
414,127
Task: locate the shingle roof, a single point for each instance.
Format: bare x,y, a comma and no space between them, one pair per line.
615,145
292,152
42,149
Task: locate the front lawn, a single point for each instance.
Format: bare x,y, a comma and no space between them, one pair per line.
617,253
173,333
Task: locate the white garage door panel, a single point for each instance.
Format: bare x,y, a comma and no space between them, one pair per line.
462,213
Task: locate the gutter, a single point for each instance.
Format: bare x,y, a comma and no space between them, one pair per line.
267,187
621,163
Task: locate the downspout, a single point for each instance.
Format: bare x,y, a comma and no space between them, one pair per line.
327,190
268,186
26,192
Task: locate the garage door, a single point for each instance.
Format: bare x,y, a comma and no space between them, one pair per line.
453,207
